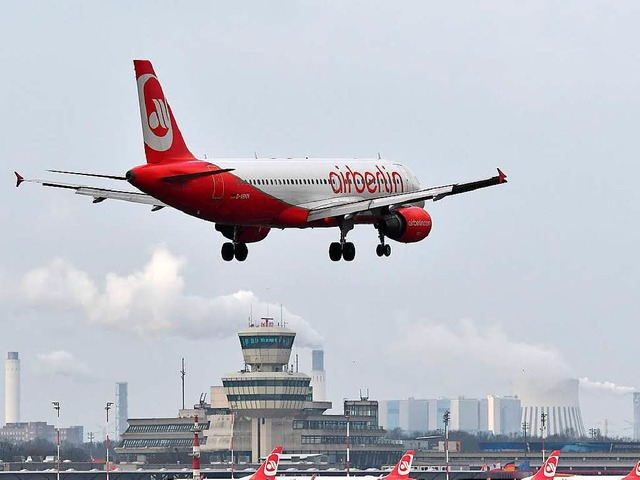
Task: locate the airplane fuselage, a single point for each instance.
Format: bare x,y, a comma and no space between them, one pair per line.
273,193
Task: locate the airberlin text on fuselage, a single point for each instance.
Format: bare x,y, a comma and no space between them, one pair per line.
378,181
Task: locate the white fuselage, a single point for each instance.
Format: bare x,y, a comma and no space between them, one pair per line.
305,182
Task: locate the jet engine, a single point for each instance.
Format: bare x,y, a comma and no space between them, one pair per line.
246,234
406,225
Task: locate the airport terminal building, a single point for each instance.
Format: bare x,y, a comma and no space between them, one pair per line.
262,405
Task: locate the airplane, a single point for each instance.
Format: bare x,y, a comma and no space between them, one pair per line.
269,467
400,471
634,474
246,198
548,469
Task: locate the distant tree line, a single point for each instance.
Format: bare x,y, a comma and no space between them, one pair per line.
40,449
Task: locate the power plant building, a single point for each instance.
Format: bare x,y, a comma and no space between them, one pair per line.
503,415
410,415
465,415
267,403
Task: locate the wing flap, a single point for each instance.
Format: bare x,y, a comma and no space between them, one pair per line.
101,194
361,206
350,206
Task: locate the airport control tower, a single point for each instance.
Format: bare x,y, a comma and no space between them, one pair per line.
266,390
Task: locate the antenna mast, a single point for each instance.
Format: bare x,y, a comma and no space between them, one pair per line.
182,374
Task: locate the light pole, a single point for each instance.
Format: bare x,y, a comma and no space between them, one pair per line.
525,425
107,408
347,411
543,427
56,407
445,418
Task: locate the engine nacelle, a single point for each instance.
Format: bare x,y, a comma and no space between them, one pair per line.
247,234
406,225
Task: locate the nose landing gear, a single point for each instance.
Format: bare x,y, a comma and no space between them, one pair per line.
382,249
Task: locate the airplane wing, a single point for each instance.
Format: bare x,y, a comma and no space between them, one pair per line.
99,194
351,206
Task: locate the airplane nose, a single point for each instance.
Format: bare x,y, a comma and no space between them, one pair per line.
130,176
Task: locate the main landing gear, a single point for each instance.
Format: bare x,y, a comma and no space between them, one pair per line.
338,250
235,249
238,250
347,250
343,249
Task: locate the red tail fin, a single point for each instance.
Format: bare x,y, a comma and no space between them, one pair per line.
269,467
163,141
548,469
634,474
403,467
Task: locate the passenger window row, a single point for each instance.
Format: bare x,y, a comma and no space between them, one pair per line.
311,181
289,181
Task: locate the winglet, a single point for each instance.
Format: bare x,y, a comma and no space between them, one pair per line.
502,178
19,179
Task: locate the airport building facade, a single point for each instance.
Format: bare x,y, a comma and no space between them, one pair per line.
264,404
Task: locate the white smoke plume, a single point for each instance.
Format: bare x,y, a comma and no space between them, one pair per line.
150,301
486,346
605,387
61,363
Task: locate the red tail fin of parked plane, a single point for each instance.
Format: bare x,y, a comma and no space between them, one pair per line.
402,469
548,469
634,474
269,467
163,141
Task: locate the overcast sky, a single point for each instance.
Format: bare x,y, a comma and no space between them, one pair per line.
536,277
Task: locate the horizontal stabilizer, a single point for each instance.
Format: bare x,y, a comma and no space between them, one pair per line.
185,177
19,179
96,175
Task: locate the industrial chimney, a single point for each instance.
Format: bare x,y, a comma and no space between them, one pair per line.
318,376
12,388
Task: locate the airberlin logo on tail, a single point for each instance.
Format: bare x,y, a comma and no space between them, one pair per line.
379,180
638,469
404,467
271,465
154,111
550,467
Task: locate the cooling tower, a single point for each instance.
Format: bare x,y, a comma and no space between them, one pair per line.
12,388
559,400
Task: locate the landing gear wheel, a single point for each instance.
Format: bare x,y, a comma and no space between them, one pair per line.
387,250
348,251
227,251
380,250
335,251
241,252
